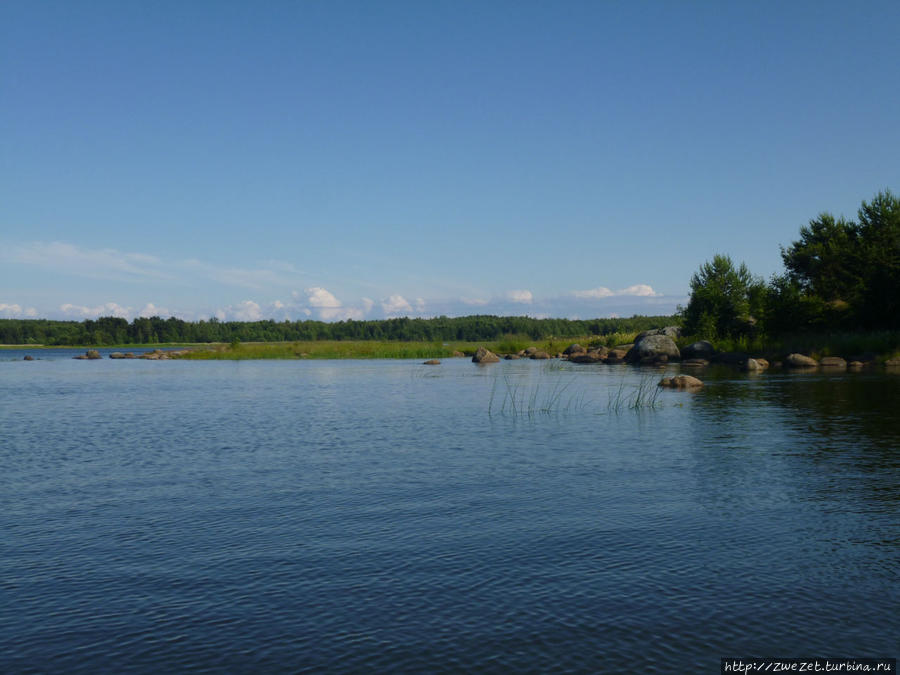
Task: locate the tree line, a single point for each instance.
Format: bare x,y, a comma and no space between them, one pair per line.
840,275
117,331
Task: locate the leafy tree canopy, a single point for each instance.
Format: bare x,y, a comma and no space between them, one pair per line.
725,300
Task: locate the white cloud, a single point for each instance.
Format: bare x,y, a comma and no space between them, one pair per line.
328,307
396,304
278,304
244,311
15,311
600,292
319,297
367,304
152,310
420,305
340,313
521,296
107,309
638,290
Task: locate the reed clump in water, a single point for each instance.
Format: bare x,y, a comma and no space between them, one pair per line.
538,399
642,396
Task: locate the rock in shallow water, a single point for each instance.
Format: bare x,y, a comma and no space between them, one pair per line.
681,382
485,356
653,346
833,362
800,361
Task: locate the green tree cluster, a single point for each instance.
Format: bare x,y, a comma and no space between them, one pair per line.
725,300
839,275
152,330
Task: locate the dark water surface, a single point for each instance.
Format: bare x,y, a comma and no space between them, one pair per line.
386,516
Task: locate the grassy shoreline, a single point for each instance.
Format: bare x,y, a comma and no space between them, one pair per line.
883,345
346,349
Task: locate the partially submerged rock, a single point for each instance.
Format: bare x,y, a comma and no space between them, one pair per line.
681,382
539,355
512,357
593,356
574,349
432,362
89,355
834,362
28,357
694,363
800,361
485,356
698,350
754,365
653,346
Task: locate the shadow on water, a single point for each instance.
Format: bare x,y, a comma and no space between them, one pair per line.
827,435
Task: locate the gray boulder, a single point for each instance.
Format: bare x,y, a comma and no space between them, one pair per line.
539,355
752,366
593,356
681,382
653,346
800,361
485,356
574,349
698,350
833,362
669,331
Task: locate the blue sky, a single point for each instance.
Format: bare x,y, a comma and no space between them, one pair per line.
367,159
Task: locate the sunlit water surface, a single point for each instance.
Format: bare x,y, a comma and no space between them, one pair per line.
392,516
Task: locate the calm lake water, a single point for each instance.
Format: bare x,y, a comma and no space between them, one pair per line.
388,516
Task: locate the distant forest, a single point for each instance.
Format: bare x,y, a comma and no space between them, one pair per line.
116,331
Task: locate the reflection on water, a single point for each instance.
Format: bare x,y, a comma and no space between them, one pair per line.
372,515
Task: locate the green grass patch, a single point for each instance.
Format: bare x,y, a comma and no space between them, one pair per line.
370,349
883,344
